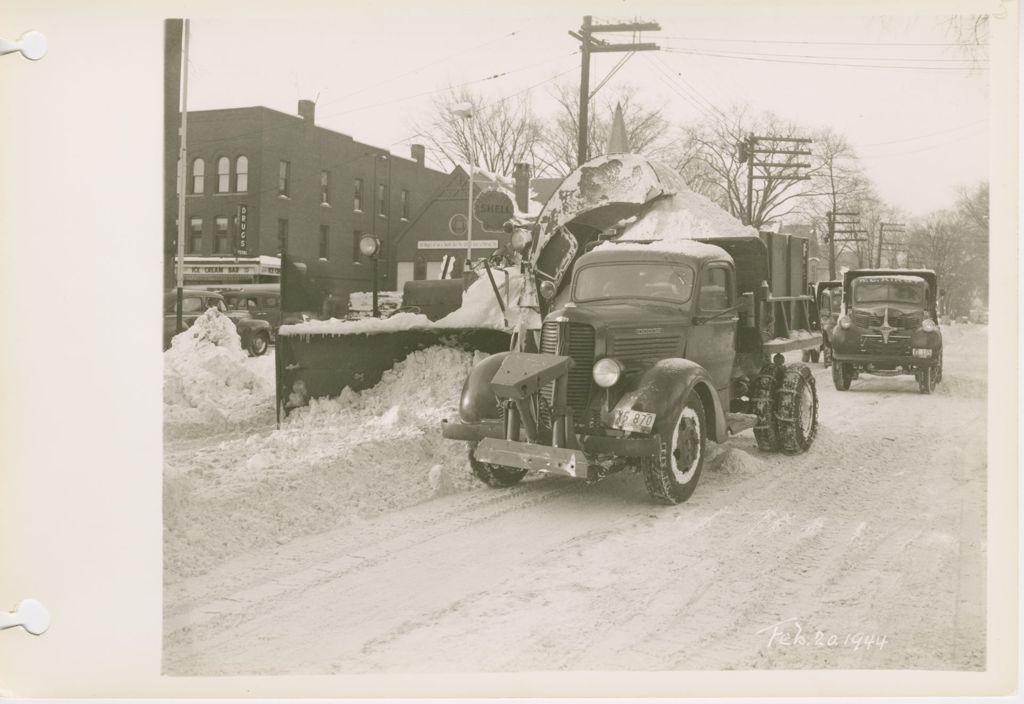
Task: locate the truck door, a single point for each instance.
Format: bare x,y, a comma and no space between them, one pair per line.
711,342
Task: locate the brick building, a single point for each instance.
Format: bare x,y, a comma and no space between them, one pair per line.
259,180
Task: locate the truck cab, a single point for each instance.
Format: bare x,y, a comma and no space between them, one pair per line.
889,327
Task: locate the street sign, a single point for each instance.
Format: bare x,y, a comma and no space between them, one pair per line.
492,209
457,224
456,244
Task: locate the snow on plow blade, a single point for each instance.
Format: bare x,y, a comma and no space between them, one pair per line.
541,458
319,365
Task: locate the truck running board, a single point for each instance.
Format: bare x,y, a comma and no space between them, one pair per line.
541,458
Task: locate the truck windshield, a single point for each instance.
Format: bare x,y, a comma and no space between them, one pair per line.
888,292
648,280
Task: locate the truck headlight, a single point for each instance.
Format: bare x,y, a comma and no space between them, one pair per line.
845,322
607,372
547,290
929,325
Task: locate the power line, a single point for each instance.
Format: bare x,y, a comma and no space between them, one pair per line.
679,75
818,43
849,58
821,63
922,136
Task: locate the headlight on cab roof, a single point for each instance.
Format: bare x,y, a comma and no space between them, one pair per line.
929,325
607,372
845,322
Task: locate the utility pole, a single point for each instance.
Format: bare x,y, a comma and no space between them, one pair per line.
849,227
894,227
589,45
183,172
770,168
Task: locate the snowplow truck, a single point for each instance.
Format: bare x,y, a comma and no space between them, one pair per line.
652,341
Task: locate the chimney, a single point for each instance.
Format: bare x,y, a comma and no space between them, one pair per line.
307,110
419,153
521,177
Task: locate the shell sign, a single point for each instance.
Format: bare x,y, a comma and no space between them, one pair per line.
492,209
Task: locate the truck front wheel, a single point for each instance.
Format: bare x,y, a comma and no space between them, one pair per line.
842,373
765,386
672,475
797,409
494,474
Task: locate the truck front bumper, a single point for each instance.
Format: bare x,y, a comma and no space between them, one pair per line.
492,447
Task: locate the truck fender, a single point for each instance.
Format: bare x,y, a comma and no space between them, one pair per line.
665,388
478,402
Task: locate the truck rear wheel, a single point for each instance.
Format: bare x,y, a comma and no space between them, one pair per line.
797,409
494,474
842,373
672,475
765,386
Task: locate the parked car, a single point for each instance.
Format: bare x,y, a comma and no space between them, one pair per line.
262,301
255,333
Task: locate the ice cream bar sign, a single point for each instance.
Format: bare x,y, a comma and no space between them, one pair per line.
242,218
492,210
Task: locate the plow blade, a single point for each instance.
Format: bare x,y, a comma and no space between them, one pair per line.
321,365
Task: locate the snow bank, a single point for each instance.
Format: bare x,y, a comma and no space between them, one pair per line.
335,462
210,384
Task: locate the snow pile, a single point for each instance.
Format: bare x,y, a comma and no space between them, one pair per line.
365,326
681,245
210,383
333,463
686,215
480,307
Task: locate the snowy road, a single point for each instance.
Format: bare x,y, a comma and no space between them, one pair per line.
866,552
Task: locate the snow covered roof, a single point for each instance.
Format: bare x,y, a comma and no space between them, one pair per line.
890,278
687,247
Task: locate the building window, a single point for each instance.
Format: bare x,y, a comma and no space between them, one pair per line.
282,235
223,175
195,236
198,169
325,190
405,204
283,173
358,203
382,193
325,236
220,241
242,174
356,254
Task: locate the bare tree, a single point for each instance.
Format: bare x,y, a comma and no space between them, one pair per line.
645,127
498,135
707,158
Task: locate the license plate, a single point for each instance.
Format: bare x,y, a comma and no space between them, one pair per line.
634,421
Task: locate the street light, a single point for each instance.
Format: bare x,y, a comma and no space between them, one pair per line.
465,111
369,246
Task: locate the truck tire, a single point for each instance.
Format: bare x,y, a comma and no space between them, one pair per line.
797,409
494,474
926,379
938,369
763,396
259,343
826,357
842,374
672,475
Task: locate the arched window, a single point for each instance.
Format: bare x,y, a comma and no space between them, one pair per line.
198,169
223,175
242,174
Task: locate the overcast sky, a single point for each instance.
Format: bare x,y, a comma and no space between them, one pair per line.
898,87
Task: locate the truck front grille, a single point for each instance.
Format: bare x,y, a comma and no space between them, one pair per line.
579,346
644,349
896,347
